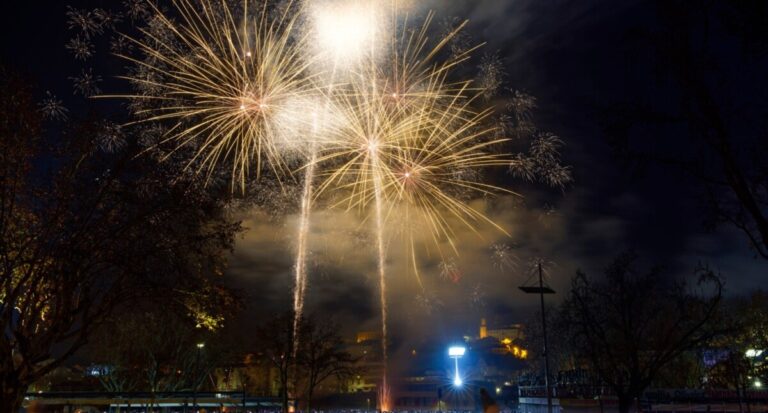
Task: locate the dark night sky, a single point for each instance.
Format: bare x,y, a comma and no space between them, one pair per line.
573,56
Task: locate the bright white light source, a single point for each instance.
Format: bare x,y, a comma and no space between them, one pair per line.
345,30
751,353
758,384
457,351
457,382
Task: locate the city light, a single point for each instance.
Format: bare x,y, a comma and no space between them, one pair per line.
752,353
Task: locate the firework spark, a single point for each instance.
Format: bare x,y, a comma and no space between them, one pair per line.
53,108
449,270
503,257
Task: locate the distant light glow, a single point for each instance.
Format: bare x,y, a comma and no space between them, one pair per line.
457,382
752,353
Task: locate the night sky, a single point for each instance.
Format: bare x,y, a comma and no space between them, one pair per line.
578,58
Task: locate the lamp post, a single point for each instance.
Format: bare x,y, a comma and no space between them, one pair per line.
200,347
541,289
456,352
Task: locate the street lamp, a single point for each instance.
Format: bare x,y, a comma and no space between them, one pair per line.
200,347
542,289
456,352
753,353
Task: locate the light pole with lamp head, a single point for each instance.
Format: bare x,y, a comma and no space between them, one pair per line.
542,289
200,347
457,352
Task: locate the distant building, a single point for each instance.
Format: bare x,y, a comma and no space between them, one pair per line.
367,350
510,332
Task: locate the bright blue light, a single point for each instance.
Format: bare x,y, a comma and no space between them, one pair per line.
456,352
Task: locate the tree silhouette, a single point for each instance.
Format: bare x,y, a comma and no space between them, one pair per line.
631,325
84,232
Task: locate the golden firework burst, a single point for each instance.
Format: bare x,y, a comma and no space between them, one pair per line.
223,79
407,140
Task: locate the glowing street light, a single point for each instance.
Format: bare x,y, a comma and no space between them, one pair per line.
200,346
752,353
456,352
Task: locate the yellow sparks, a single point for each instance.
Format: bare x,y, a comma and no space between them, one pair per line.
222,82
408,139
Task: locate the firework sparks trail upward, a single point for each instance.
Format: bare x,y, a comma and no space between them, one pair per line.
341,33
300,278
321,123
348,34
382,288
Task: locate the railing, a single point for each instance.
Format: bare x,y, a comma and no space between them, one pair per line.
185,398
651,395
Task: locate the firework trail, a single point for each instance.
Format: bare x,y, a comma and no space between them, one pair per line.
348,34
341,31
382,293
300,275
